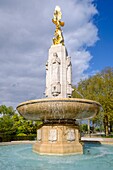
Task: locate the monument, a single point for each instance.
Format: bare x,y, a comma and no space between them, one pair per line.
58,66
59,133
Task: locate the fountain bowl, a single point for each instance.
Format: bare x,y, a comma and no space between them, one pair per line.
58,108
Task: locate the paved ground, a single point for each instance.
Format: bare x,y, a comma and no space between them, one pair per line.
83,139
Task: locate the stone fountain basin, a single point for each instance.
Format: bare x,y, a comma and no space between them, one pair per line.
55,108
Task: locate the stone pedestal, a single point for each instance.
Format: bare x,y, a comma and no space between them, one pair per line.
58,140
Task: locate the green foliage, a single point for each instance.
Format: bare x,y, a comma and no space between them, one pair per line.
6,125
21,134
6,120
24,137
13,126
84,128
6,110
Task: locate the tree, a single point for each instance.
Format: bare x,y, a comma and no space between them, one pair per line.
12,124
6,121
99,88
84,128
6,110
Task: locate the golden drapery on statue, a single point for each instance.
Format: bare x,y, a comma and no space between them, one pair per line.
58,39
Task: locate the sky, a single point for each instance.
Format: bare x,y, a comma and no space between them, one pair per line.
26,33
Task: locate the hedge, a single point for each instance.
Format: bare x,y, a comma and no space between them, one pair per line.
8,138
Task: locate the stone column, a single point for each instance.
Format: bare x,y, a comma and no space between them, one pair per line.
59,73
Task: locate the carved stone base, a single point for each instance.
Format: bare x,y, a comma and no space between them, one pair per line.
58,140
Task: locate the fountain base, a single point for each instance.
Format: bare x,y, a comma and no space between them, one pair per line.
57,139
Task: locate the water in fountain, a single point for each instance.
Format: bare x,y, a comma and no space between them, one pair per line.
16,157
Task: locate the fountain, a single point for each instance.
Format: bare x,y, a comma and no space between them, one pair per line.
59,133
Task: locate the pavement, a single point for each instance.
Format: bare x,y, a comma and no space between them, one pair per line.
16,142
98,139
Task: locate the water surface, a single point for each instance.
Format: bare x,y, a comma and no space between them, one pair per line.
21,157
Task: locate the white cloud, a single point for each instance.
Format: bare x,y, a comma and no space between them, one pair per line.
84,36
81,63
26,33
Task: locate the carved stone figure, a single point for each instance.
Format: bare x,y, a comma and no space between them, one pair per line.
52,135
55,68
69,76
55,75
71,135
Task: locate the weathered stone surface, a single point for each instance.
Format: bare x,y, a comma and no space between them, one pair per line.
55,108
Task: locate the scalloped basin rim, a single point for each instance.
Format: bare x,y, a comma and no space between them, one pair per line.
59,100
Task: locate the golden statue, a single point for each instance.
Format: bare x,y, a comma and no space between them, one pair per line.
58,39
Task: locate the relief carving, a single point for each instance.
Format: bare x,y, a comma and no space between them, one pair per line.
52,135
56,87
71,135
69,77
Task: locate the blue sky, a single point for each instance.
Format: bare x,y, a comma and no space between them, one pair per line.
26,33
103,50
